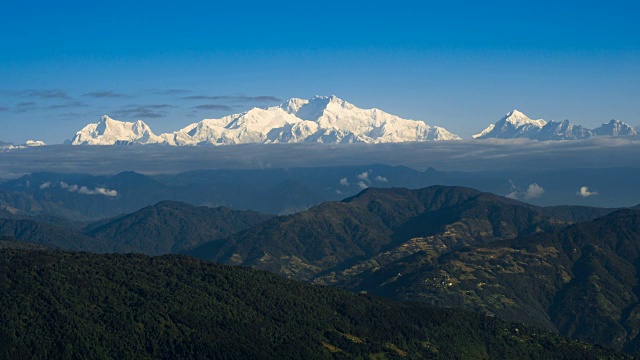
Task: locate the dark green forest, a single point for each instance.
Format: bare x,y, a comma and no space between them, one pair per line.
79,305
166,227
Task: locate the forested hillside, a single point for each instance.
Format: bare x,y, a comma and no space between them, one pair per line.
78,305
379,226
581,281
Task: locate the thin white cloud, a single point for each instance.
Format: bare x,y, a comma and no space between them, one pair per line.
584,192
362,185
97,191
381,179
512,195
86,191
364,176
533,191
344,182
106,192
45,185
69,188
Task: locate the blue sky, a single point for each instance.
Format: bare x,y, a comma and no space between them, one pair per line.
458,64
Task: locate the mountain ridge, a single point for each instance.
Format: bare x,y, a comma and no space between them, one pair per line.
515,125
114,132
580,281
322,119
334,235
175,226
329,119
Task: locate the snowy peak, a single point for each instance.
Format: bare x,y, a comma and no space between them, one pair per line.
517,125
316,107
5,146
321,119
513,125
342,121
293,105
108,131
34,143
254,126
563,130
107,125
615,128
518,119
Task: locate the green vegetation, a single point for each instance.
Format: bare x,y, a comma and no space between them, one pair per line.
36,232
166,227
10,243
171,227
444,246
78,305
581,281
330,242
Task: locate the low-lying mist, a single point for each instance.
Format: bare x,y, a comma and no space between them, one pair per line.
485,155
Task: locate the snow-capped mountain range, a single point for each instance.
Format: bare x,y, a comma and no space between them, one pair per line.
5,146
516,125
328,119
322,119
113,132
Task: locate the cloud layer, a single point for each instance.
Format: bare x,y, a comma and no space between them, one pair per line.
105,94
152,111
230,98
214,107
460,155
37,93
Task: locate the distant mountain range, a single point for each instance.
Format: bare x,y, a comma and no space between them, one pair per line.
322,119
60,197
29,143
328,119
516,125
277,191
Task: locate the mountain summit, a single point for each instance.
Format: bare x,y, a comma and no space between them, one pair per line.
513,125
615,128
108,131
517,125
322,119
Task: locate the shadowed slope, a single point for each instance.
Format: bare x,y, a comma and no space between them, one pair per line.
132,306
